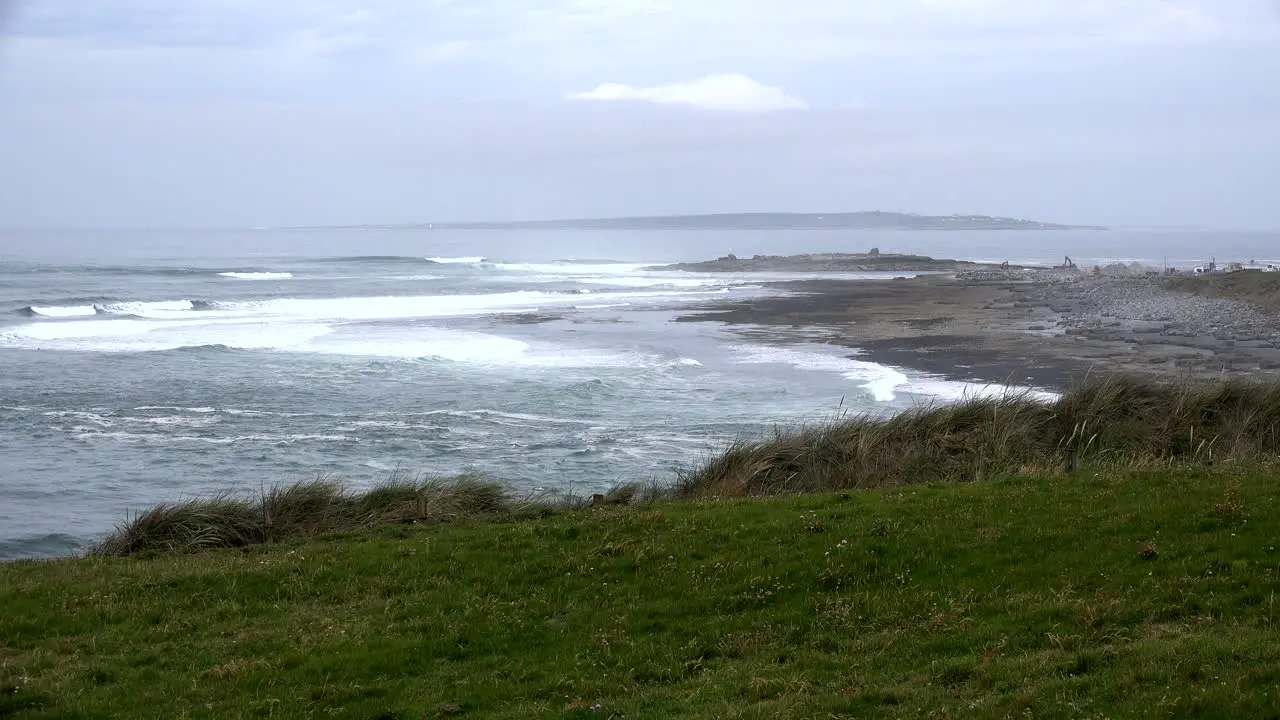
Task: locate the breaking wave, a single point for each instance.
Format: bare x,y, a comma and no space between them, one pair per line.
56,311
373,259
136,309
456,260
257,275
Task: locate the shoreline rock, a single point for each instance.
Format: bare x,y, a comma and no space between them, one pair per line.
1038,327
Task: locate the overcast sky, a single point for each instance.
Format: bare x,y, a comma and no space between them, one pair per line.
145,113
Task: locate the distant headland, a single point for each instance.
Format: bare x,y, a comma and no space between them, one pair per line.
870,220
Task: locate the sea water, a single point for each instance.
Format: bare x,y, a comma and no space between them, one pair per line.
146,367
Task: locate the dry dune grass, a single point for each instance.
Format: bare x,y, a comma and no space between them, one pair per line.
1118,422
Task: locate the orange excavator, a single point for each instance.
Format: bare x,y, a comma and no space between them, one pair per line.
1068,264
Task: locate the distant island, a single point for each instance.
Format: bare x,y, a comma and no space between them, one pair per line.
872,220
831,262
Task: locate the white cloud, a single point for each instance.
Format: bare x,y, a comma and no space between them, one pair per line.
731,92
449,49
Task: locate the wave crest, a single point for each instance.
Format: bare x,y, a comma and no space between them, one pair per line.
59,311
456,260
256,275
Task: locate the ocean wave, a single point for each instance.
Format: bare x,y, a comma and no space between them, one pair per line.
136,309
379,259
655,281
880,380
39,546
307,324
257,275
571,268
402,307
207,348
144,309
83,433
456,260
85,269
60,311
134,334
497,416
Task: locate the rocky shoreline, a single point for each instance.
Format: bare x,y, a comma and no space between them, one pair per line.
1142,311
1045,329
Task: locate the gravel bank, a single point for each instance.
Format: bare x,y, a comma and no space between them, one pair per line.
1037,327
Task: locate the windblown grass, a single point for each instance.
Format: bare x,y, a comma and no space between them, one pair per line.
1117,421
306,510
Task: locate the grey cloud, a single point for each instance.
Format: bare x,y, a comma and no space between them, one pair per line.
235,112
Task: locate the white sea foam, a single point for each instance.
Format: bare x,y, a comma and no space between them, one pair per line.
451,345
472,348
314,335
571,268
283,323
653,280
419,306
884,382
135,335
502,415
456,260
65,311
880,380
82,416
174,421
257,275
357,326
85,433
953,390
157,310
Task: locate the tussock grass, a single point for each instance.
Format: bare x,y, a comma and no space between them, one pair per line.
1115,421
305,510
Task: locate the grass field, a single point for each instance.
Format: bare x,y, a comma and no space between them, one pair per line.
1098,595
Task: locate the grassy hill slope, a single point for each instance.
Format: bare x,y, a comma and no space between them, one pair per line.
1112,594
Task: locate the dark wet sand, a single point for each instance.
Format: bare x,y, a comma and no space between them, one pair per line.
1038,332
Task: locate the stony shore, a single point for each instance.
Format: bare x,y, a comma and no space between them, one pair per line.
1041,328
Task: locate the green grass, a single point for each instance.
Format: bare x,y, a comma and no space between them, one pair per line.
1119,594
